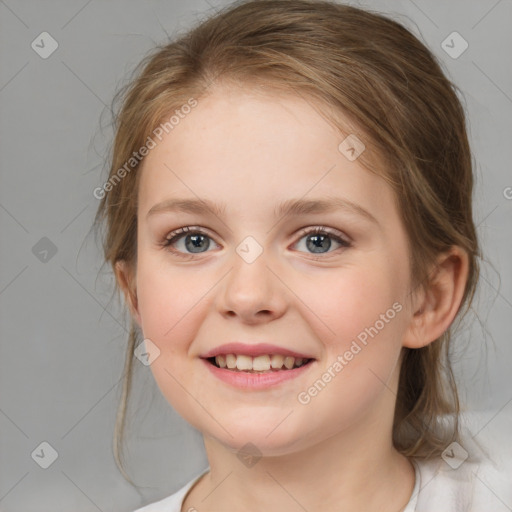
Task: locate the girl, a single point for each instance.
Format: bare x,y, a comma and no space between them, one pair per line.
289,217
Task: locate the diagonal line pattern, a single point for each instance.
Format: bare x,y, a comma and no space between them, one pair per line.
88,497
492,81
13,279
493,492
92,169
74,218
285,418
493,418
119,380
14,218
291,496
385,383
216,487
488,215
486,14
75,15
94,298
497,291
85,85
5,495
13,423
19,19
424,14
16,74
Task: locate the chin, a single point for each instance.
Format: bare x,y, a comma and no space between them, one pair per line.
258,437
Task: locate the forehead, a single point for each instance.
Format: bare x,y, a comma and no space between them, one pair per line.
231,121
246,144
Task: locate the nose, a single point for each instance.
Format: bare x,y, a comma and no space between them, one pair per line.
252,292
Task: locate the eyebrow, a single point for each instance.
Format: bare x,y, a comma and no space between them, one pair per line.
286,208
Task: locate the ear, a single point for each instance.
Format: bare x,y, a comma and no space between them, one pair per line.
126,280
438,301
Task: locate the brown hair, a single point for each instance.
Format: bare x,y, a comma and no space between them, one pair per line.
391,92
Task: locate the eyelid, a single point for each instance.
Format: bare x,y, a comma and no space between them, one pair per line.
335,233
179,233
302,232
187,229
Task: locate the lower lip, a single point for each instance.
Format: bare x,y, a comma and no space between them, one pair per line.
247,380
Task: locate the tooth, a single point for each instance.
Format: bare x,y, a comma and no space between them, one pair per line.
244,362
289,361
231,361
261,363
221,361
276,361
258,364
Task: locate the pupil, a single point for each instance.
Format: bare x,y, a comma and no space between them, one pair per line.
196,242
317,244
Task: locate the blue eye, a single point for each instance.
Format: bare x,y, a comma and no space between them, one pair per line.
319,238
197,241
194,239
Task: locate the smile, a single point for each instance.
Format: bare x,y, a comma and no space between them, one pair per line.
256,373
258,364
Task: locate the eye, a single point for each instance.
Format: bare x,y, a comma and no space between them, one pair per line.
318,239
195,240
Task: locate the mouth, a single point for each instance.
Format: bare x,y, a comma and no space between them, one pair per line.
258,373
262,364
254,367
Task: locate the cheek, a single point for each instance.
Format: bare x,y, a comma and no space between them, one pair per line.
362,326
356,374
166,299
350,302
363,388
171,315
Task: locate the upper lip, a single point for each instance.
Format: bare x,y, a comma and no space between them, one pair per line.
253,350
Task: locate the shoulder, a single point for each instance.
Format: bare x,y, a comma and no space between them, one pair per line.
174,502
474,475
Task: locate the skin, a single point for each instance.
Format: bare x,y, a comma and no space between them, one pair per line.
252,151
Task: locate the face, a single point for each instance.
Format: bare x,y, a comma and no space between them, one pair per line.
253,274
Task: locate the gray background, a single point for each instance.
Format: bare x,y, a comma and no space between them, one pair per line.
62,334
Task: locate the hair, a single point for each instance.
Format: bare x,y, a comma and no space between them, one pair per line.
369,76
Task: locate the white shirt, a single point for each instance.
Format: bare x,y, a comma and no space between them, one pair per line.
478,484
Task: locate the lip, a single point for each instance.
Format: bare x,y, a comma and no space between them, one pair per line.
253,350
256,381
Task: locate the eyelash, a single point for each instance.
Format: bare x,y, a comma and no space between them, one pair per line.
176,235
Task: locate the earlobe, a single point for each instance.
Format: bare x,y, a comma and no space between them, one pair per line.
440,299
126,281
